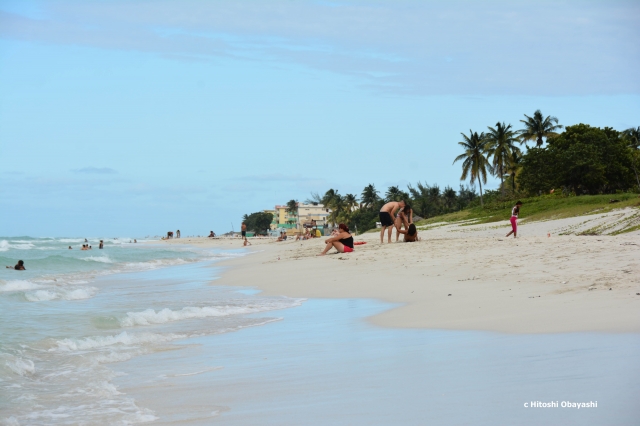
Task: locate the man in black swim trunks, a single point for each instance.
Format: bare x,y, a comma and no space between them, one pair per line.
244,232
387,213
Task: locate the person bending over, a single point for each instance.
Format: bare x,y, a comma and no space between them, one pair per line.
410,234
386,217
19,266
403,218
343,241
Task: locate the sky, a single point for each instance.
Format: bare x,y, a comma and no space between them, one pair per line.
133,118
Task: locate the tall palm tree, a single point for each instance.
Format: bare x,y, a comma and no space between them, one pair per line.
474,163
369,196
292,209
513,166
500,147
350,204
537,127
396,194
633,136
337,206
328,197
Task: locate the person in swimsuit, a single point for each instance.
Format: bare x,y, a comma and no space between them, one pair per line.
386,217
514,219
410,234
19,266
244,231
101,246
343,242
403,218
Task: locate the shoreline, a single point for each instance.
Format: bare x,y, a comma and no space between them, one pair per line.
532,284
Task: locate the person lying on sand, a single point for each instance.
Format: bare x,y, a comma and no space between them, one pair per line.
343,242
403,218
19,266
386,217
514,219
410,234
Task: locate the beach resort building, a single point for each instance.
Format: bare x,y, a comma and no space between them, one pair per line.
307,215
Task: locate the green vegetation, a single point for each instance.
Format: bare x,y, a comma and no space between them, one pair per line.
545,207
578,172
258,222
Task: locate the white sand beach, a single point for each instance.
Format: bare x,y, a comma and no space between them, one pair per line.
465,277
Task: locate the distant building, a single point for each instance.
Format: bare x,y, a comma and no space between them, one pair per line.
306,216
274,222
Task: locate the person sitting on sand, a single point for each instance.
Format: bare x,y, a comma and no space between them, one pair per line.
211,234
343,242
386,217
514,219
403,218
410,234
19,266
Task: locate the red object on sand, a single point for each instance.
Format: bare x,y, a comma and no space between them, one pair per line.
359,243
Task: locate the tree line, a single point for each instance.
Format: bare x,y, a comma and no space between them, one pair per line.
580,160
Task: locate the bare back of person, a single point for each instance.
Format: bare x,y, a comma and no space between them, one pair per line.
387,213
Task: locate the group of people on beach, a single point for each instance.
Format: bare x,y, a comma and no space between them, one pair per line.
404,218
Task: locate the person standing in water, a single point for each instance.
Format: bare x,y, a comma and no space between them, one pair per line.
387,213
514,219
101,246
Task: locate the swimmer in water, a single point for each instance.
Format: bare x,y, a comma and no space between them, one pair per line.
19,266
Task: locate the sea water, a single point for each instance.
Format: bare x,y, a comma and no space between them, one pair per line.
73,315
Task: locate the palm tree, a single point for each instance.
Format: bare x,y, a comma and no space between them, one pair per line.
292,209
350,204
500,147
536,128
396,194
369,196
474,164
449,196
328,197
337,206
633,136
513,166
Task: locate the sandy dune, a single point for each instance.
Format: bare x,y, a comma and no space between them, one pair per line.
463,276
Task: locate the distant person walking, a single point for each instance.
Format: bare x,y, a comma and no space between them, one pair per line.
387,212
178,233
514,219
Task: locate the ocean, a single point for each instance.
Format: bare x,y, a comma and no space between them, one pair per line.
73,314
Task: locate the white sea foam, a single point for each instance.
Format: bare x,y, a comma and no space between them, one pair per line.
64,294
102,259
17,245
23,367
18,285
124,338
149,316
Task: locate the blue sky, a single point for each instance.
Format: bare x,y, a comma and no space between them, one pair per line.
138,117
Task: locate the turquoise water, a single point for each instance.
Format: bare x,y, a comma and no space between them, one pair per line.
73,315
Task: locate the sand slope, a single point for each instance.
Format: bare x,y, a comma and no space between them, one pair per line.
463,276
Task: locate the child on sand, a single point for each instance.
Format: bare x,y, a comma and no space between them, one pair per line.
386,217
514,219
343,241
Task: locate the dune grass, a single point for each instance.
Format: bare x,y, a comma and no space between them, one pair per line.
544,207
